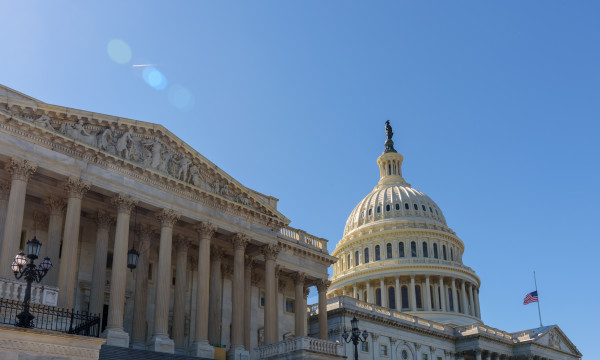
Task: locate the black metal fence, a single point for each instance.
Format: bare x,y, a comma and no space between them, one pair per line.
52,318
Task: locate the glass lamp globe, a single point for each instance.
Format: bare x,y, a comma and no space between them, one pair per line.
20,259
15,267
46,264
33,247
132,259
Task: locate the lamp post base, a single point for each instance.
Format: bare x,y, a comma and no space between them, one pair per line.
25,320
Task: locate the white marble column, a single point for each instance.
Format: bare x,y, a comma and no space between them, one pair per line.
201,346
369,298
248,265
103,223
67,274
182,245
322,286
477,354
300,313
56,211
304,308
412,293
463,298
454,295
355,291
237,349
384,294
140,300
21,171
442,295
4,194
427,294
115,335
216,293
160,341
471,303
477,309
436,301
270,253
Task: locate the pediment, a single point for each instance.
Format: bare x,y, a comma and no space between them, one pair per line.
554,338
150,148
13,94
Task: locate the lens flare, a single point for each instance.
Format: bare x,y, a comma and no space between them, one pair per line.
180,97
119,51
154,78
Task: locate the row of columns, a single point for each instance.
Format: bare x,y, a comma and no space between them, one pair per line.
441,302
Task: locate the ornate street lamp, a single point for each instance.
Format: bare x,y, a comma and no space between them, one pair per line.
133,255
22,268
355,337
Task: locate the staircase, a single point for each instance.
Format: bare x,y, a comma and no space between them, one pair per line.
108,352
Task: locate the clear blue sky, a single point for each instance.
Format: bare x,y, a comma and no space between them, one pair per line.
495,107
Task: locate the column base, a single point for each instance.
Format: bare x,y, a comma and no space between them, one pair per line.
202,349
237,352
161,343
116,337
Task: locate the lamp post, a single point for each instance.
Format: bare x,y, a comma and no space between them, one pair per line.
22,268
355,337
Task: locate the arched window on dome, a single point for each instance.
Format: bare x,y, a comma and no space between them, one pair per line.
378,209
400,249
435,251
418,296
416,206
364,296
378,297
423,207
450,299
436,212
366,258
406,206
391,297
451,254
348,261
444,252
377,253
413,249
430,210
356,258
397,206
425,250
387,207
404,295
388,250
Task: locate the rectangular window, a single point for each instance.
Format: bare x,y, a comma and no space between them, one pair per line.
261,298
383,350
365,346
289,305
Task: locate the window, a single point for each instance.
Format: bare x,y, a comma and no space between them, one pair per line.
109,260
431,292
451,255
356,258
435,252
450,299
370,211
378,209
423,207
413,249
388,250
378,297
387,207
261,299
444,252
425,252
397,206
404,294
365,347
416,206
436,212
377,253
391,297
404,355
383,351
406,206
459,302
430,209
364,296
366,255
418,296
425,357
149,271
400,249
289,305
348,261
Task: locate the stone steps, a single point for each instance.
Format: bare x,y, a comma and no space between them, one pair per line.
108,352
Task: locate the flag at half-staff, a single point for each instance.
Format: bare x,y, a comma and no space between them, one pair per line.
530,298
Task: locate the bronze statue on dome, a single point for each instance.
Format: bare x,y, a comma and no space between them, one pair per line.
389,144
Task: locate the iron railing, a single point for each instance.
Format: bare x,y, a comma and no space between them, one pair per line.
52,318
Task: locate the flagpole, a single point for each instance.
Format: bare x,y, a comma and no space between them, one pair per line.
538,302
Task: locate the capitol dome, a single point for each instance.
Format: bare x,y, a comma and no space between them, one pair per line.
397,252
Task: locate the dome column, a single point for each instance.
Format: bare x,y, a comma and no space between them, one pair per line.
397,289
472,304
427,294
355,291
442,295
413,296
369,295
477,310
384,299
454,297
463,298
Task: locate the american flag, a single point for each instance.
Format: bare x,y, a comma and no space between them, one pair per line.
530,298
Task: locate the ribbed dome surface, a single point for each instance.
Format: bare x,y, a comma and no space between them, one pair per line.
393,201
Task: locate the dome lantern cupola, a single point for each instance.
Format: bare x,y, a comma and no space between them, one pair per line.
390,162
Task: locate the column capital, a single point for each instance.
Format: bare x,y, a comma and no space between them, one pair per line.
322,285
76,187
271,251
240,241
248,262
103,220
4,190
282,284
182,243
205,229
55,205
306,292
255,279
21,169
168,217
216,254
124,203
299,278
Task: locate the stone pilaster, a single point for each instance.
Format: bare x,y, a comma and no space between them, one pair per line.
140,300
300,312
201,346
270,253
56,212
237,349
67,274
160,341
115,335
322,286
182,245
103,223
20,171
215,301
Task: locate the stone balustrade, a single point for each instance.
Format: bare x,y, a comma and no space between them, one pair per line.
300,236
40,294
301,343
478,329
